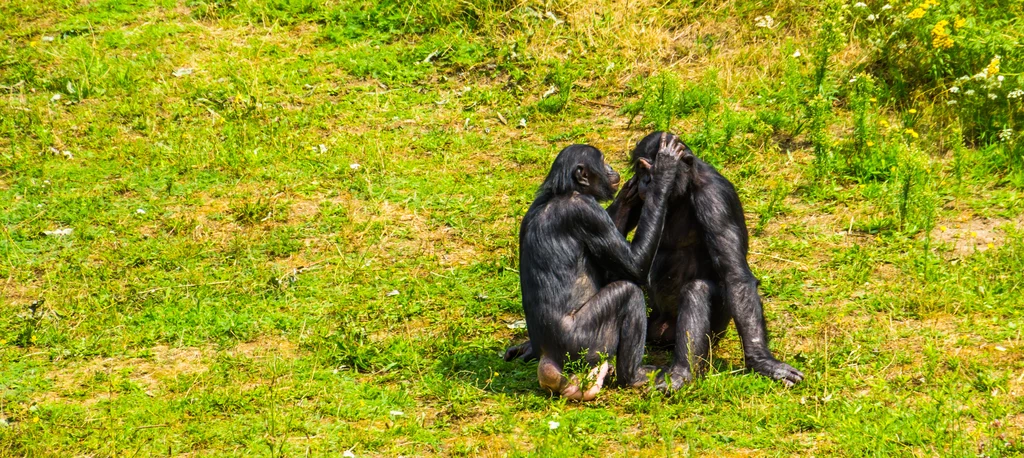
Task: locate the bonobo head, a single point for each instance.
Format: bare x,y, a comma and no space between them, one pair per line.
643,159
581,168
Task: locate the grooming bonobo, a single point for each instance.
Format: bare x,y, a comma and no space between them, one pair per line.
700,279
579,275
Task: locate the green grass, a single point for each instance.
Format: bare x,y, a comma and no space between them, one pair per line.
237,232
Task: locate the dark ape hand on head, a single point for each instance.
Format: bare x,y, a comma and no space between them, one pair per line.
580,278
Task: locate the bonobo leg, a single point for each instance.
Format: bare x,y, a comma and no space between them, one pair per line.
693,334
744,304
612,322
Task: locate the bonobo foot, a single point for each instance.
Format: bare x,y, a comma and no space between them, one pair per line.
776,370
672,380
571,387
640,379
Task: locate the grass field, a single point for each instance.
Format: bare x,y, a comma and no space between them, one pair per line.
288,227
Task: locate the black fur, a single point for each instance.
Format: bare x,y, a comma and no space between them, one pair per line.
700,278
578,274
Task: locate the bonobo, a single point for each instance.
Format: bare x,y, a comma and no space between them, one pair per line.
700,278
580,277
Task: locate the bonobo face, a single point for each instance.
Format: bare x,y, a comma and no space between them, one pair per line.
613,177
604,182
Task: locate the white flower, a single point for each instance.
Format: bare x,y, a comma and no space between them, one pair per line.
397,413
992,96
353,166
183,71
887,7
871,18
764,22
951,102
853,80
553,425
59,232
322,148
1015,94
797,53
860,5
140,211
981,75
969,92
1005,134
393,292
954,89
963,78
55,97
348,454
999,78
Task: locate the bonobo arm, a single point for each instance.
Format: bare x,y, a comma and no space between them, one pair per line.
625,210
603,239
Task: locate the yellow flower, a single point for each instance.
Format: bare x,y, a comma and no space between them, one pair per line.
918,13
892,169
991,245
912,133
974,234
993,66
883,123
871,143
943,228
959,22
912,111
940,35
872,100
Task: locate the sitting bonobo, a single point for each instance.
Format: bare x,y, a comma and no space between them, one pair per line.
580,277
700,279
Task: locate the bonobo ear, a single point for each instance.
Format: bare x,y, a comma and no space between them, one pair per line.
581,176
644,164
687,156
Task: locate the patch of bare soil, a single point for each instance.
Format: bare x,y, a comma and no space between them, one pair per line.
968,236
94,378
148,373
266,346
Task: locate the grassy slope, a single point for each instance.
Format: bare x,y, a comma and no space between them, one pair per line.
225,287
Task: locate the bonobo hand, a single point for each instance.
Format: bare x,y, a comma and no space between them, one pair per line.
665,164
670,150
